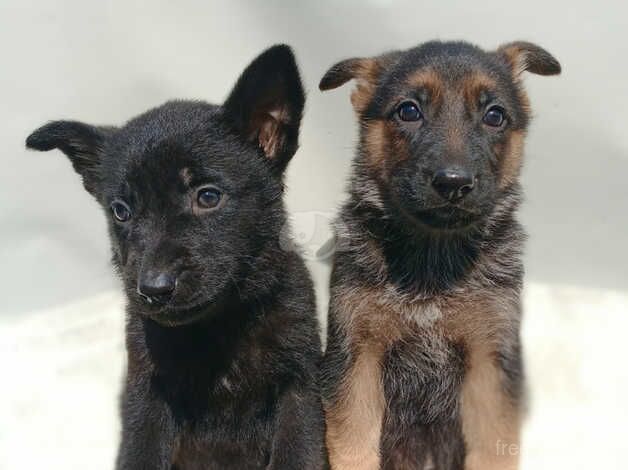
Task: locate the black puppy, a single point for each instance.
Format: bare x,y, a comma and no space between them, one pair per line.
222,336
423,367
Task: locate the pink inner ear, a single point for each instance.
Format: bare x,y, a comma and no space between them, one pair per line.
278,113
269,134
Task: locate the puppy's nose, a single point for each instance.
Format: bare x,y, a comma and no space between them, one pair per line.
452,183
156,287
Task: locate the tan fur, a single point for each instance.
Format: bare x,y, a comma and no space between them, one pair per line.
375,319
270,136
511,159
428,80
361,97
473,85
490,423
267,125
384,148
366,73
516,57
354,421
377,144
186,175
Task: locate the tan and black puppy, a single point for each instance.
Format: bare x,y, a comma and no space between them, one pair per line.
423,367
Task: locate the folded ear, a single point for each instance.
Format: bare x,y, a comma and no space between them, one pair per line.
266,104
82,143
360,68
365,70
524,56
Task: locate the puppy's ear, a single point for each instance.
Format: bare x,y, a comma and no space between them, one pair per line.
82,143
360,68
524,56
365,70
266,105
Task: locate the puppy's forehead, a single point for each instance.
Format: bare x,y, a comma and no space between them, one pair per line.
170,164
437,67
452,61
175,127
474,86
177,140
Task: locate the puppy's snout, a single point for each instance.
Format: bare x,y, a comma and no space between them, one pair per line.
156,287
453,184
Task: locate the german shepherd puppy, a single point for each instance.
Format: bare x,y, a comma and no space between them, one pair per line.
222,337
423,366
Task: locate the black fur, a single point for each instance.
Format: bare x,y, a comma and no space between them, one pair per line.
224,373
425,424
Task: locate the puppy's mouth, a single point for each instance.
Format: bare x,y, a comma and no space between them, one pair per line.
447,217
181,314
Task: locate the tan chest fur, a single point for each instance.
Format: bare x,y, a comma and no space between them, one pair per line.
374,321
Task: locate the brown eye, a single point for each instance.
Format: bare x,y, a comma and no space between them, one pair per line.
494,117
408,111
120,211
209,197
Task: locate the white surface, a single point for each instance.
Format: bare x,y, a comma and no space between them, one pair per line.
104,62
59,410
575,350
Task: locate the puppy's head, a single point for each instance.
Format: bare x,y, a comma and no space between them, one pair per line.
192,191
442,126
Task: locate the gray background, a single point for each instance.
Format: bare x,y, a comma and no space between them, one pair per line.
104,62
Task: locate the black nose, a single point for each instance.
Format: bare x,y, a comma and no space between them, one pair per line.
453,184
156,287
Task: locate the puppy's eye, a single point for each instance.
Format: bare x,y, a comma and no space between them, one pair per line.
120,211
408,111
494,117
209,197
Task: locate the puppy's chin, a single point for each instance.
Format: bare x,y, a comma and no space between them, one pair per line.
446,218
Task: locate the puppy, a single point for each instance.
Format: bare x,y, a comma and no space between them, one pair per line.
423,364
222,337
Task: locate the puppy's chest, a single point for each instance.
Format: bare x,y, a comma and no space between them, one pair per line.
421,361
208,392
204,447
430,331
417,349
224,418
417,361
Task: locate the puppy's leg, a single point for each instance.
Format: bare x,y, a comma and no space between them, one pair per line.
490,417
147,429
354,416
298,442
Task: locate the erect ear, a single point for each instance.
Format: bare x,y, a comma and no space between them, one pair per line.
266,104
365,70
82,143
524,56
